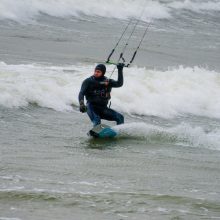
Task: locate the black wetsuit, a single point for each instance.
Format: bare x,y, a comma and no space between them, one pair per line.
97,94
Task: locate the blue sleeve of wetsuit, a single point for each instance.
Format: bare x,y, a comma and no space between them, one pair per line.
83,90
119,82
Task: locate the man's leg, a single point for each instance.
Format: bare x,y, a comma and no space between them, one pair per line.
112,115
96,120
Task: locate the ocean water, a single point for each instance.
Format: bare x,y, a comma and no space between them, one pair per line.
164,164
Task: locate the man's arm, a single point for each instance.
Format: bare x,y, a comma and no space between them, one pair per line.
120,81
83,89
82,93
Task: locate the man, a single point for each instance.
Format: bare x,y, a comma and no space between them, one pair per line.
97,89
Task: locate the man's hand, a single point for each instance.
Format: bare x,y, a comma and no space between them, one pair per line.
82,107
120,66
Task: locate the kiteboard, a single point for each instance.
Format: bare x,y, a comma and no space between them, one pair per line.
102,131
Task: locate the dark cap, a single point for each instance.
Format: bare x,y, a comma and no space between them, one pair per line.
102,68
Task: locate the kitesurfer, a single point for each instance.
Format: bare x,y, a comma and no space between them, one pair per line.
97,90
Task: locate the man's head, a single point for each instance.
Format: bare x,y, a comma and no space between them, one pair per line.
100,70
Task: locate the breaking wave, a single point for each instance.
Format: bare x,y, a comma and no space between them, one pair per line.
171,93
27,10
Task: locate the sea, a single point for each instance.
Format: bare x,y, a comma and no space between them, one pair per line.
165,162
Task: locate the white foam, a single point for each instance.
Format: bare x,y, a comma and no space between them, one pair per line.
196,6
24,10
27,10
46,86
167,94
184,134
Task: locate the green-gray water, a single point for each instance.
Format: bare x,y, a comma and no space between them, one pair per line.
164,163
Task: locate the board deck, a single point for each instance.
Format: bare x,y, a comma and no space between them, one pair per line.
102,131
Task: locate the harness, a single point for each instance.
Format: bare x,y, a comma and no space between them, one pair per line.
102,89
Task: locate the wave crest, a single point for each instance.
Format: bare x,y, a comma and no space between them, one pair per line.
27,10
170,93
24,10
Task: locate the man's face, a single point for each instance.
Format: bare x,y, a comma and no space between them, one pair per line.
98,73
